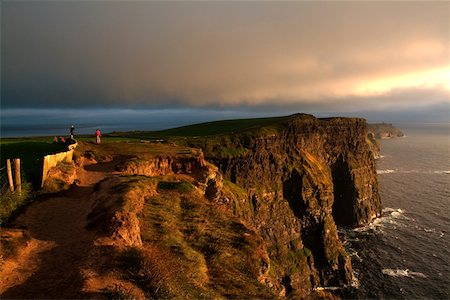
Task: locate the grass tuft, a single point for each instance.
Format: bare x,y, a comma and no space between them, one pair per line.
10,202
182,187
150,268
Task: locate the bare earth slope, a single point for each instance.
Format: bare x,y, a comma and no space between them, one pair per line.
52,268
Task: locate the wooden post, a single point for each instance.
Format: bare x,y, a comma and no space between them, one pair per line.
17,174
8,170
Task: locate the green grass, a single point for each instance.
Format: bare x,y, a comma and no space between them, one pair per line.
137,149
206,129
217,255
182,187
10,202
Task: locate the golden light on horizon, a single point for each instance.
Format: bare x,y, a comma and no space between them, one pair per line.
439,77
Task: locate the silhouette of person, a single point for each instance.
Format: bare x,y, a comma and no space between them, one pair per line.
72,132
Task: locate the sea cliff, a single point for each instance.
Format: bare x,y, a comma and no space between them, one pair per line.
381,131
240,208
302,177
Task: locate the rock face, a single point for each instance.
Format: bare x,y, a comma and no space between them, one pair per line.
298,181
384,131
381,131
289,184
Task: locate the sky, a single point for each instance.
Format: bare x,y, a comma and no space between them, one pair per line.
225,58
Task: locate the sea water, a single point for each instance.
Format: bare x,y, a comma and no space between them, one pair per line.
405,253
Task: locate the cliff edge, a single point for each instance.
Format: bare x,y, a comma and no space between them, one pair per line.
302,176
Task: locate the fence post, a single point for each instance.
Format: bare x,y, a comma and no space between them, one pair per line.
17,174
10,178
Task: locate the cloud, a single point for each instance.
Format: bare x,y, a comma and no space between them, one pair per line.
325,55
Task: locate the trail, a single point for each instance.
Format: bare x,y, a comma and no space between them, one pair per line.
61,246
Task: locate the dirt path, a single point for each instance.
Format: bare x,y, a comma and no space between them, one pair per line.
52,268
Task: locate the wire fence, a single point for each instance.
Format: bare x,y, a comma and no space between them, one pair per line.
4,184
3,179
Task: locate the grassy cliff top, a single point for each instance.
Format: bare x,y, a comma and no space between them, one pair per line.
208,128
222,127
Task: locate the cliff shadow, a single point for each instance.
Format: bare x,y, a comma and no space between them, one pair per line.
344,193
292,192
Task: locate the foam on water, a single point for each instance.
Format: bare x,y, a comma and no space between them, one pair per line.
389,216
441,172
402,273
385,171
355,281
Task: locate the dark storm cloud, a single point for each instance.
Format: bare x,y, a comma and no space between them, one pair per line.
316,56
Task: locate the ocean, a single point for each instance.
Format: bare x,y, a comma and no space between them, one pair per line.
405,253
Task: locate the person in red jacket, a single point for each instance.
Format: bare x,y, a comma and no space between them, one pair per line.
98,135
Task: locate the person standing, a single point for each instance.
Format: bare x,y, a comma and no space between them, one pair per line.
98,135
72,132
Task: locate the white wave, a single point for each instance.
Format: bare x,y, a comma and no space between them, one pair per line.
402,273
389,209
355,281
388,171
389,216
327,288
375,225
355,254
396,214
441,172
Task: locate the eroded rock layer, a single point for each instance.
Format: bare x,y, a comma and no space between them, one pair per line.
299,181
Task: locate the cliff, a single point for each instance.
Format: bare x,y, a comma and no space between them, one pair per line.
384,131
381,131
242,208
301,177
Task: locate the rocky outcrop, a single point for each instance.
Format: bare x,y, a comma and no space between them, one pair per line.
118,201
294,184
206,175
380,131
384,131
161,165
60,177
